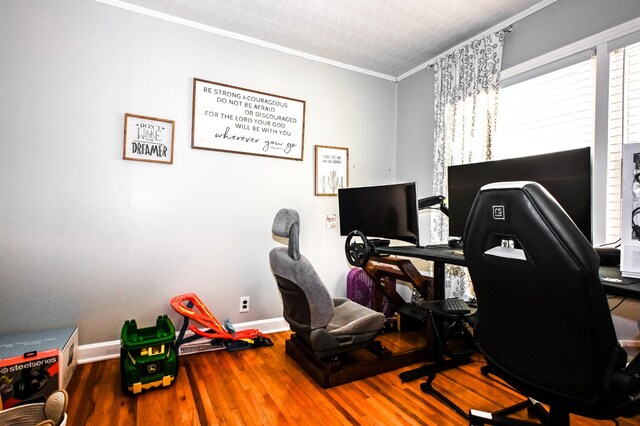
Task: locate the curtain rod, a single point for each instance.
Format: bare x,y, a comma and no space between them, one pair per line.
507,29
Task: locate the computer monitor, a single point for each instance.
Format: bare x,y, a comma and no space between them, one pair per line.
385,211
566,175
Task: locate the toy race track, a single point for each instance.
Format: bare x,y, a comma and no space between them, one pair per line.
220,335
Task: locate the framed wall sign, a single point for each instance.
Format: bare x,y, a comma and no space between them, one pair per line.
332,169
233,119
148,139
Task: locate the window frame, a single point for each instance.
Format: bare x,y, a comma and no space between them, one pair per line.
598,45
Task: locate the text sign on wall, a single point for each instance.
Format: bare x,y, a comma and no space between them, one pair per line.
233,119
148,139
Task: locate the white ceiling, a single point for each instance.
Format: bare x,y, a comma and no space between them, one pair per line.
387,38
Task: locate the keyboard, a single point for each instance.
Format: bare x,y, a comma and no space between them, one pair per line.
454,306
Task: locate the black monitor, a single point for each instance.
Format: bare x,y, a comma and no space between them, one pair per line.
386,211
566,175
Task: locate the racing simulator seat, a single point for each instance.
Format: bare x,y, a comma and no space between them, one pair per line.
544,324
324,327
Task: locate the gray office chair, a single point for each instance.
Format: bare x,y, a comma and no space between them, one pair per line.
544,324
329,326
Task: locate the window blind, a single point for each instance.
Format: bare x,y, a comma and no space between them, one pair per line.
548,113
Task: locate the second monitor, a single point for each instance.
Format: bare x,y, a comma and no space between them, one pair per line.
384,211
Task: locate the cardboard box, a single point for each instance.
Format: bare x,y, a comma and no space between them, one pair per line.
33,365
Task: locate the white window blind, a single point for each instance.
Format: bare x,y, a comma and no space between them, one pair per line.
548,113
624,125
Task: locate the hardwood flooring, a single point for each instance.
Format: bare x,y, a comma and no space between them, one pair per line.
266,387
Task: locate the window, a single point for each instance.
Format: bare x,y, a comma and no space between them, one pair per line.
547,113
624,125
586,93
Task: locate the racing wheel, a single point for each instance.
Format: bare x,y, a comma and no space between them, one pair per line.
358,253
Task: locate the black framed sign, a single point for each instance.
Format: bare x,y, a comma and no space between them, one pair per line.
234,119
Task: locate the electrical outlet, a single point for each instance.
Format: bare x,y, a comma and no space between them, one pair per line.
244,303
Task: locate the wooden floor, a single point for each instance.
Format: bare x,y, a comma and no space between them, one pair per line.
265,387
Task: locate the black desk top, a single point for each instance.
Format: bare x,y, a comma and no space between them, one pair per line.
614,283
436,253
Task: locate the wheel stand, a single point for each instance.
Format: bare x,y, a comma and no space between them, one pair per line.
360,364
441,364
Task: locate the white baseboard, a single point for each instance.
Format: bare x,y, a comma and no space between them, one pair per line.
109,350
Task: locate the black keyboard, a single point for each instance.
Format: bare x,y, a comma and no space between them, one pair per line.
454,306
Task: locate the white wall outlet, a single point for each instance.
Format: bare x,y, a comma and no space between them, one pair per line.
244,303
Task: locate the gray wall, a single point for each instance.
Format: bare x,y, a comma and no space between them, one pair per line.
562,23
415,130
89,239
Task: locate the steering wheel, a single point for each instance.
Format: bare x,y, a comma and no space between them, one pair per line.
357,253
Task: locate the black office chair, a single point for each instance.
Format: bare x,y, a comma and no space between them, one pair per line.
330,326
544,324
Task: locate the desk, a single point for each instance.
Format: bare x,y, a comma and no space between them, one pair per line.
438,254
443,254
617,285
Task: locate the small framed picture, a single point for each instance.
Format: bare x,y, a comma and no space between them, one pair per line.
332,169
148,139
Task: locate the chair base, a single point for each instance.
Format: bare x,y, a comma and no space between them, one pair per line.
433,368
349,366
534,409
501,417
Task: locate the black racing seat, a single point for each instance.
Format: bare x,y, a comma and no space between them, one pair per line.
544,324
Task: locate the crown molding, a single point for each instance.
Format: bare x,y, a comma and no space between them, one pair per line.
229,34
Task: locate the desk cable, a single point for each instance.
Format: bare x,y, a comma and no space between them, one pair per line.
619,303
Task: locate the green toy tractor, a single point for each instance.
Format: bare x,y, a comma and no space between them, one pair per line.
148,358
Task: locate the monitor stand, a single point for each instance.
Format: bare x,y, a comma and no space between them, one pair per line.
609,256
376,242
455,242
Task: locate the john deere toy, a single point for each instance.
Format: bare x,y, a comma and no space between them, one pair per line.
147,356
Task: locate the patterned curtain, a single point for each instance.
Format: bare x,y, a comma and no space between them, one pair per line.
466,101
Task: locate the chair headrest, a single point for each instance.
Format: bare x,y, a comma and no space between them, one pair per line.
286,224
